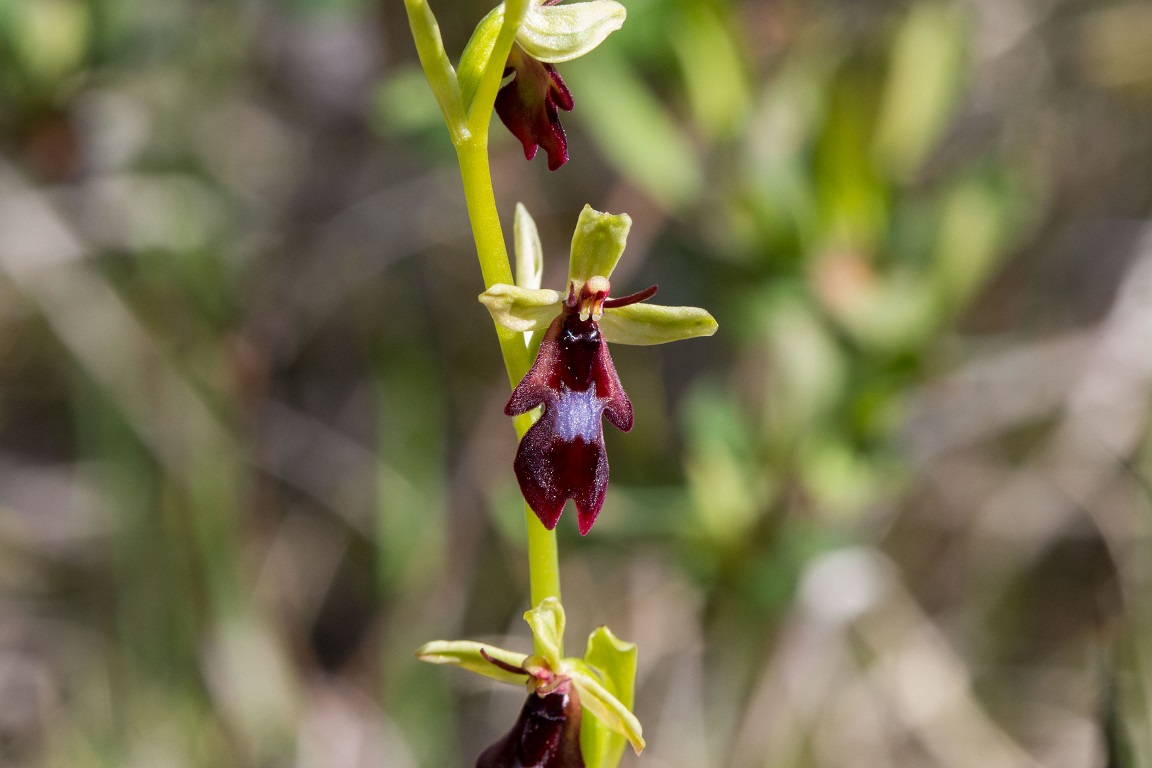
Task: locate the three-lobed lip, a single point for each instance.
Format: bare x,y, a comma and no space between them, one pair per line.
561,456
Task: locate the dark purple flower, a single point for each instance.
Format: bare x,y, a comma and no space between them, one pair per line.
547,732
545,735
528,106
562,455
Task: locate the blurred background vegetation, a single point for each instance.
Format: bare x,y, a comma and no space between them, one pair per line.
252,454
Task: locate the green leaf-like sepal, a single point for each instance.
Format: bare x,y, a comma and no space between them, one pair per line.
485,57
521,309
556,33
597,244
477,53
615,661
466,655
529,252
604,706
547,623
645,324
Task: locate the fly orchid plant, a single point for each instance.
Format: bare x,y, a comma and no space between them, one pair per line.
555,349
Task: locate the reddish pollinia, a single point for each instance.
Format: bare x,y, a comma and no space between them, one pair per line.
562,456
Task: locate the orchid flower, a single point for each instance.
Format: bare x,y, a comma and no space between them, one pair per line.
550,33
578,709
562,455
547,732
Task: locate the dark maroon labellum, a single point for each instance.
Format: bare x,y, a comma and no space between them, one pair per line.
545,735
528,106
562,455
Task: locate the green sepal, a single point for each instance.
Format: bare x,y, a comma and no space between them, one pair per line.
598,701
615,661
489,60
466,655
597,244
556,33
547,623
646,324
529,252
476,54
521,309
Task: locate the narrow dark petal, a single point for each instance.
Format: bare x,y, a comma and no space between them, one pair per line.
546,735
528,107
632,298
562,455
502,664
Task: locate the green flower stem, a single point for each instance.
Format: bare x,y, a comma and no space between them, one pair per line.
486,230
468,126
543,559
543,562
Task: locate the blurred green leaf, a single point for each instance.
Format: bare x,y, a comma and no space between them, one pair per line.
1113,42
714,76
925,73
403,103
842,481
727,485
853,196
888,311
633,128
51,37
805,369
971,237
775,163
411,514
